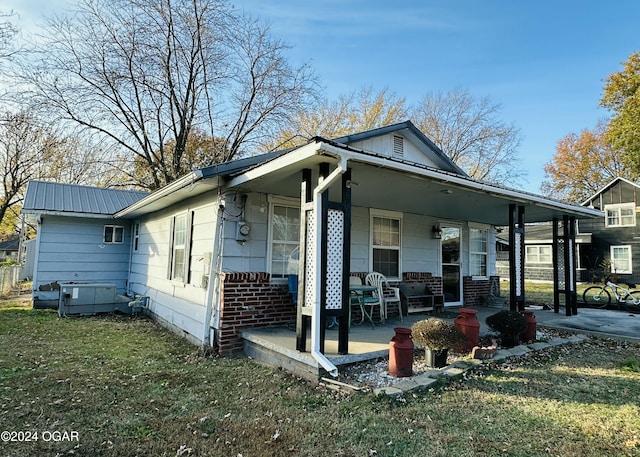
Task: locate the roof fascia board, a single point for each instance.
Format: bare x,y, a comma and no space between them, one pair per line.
172,187
67,214
445,178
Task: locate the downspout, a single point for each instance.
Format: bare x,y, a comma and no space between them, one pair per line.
315,316
211,314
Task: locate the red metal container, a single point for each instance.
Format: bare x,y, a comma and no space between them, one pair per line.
401,353
467,323
532,326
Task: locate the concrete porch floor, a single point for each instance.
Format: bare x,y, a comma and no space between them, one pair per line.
277,345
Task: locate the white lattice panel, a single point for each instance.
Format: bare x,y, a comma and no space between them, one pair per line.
517,262
560,269
310,260
335,252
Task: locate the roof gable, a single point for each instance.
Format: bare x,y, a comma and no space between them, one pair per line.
619,190
403,141
70,199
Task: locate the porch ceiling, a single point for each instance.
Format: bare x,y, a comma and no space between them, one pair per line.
393,189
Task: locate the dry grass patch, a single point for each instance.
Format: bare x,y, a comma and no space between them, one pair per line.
129,388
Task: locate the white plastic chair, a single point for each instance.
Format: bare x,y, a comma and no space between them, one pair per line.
389,295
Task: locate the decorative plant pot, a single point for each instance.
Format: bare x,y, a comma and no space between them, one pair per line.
436,358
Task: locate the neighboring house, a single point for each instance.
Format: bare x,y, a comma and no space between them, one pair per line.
9,249
615,238
539,252
211,252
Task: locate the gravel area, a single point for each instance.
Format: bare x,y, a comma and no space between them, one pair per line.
374,374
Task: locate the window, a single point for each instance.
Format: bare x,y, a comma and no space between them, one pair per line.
385,243
622,215
539,254
285,240
136,235
179,248
621,259
478,244
113,234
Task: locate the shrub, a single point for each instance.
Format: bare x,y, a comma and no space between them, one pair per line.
436,334
505,321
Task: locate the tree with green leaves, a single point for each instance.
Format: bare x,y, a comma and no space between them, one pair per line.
622,97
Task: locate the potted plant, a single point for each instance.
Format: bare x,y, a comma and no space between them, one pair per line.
437,336
509,324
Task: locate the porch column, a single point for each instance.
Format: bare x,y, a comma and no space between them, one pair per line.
304,310
516,258
564,265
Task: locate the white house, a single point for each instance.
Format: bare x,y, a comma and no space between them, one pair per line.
211,252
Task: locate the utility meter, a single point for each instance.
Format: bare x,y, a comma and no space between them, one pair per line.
243,230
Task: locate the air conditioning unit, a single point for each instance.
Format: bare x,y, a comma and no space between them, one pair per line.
87,299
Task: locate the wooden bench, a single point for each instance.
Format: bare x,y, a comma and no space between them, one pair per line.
418,292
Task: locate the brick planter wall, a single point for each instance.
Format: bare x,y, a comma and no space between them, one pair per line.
249,300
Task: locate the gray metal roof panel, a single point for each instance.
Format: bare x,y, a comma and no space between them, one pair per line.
45,196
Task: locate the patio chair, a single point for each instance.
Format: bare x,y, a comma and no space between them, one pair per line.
389,295
362,299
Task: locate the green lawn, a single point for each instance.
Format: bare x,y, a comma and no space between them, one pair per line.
125,387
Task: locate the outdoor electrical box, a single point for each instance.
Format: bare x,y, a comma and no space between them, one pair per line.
242,231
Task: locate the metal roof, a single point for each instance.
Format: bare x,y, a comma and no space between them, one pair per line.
57,198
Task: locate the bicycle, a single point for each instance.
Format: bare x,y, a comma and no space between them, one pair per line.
600,297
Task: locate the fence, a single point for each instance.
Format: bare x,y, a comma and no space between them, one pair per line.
9,279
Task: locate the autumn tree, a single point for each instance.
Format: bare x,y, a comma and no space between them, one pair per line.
26,151
144,73
622,96
471,133
582,165
357,111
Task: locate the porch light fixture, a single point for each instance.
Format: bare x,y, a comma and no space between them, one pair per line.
436,232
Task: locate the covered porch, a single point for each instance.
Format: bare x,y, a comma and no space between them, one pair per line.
423,199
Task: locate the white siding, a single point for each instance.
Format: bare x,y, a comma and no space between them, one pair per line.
383,145
181,305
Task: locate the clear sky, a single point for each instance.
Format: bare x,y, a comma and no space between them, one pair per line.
543,61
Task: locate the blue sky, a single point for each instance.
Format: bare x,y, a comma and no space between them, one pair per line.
543,61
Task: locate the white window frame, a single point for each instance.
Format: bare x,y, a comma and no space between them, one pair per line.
613,216
289,203
136,236
534,259
184,244
485,253
614,268
383,214
113,230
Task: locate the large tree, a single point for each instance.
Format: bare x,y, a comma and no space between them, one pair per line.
26,153
358,111
471,133
622,96
144,73
582,165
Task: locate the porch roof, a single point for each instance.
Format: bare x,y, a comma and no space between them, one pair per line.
378,182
